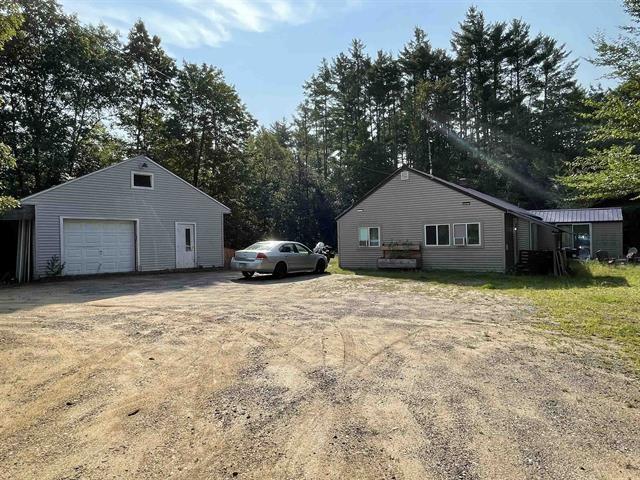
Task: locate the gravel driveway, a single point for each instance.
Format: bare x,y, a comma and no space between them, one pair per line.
205,375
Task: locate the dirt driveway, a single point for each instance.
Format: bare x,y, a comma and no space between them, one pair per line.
341,377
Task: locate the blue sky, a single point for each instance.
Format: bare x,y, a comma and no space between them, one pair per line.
268,48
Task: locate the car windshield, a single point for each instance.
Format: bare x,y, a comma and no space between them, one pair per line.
261,246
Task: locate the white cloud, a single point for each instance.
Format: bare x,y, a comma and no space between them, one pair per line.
194,23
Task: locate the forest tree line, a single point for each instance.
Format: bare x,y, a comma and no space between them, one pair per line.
501,108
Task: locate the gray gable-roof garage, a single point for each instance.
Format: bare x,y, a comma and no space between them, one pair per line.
132,216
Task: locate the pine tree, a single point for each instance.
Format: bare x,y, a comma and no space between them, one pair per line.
147,89
611,167
10,21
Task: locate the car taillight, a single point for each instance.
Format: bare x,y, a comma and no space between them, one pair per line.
261,256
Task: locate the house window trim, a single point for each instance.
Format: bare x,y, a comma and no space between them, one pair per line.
146,174
368,245
466,234
437,237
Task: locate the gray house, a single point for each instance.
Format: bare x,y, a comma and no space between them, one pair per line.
132,216
461,228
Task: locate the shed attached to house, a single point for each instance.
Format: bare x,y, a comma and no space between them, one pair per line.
132,216
587,230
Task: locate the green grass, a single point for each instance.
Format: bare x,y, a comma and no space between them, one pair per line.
599,302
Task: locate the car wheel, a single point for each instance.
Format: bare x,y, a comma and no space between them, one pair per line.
320,266
280,271
247,274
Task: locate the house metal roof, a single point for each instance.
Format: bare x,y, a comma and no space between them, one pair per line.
573,215
496,202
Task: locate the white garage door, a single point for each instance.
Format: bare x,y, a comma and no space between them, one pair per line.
98,246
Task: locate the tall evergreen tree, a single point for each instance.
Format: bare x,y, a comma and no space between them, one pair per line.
147,89
10,21
611,167
57,79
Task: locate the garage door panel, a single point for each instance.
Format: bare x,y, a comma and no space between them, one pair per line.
108,267
91,253
75,237
73,254
91,239
72,268
98,246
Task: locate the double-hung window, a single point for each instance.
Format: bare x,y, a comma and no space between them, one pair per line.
369,236
466,234
437,235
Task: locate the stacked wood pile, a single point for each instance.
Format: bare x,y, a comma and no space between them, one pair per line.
539,262
535,262
405,256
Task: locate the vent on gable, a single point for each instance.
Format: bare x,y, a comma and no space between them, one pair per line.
404,175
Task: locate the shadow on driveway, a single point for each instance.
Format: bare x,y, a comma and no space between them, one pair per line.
270,279
89,289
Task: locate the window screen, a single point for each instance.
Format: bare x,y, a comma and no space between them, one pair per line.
431,235
443,234
374,237
473,234
363,237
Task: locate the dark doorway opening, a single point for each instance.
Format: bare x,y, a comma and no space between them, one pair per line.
8,250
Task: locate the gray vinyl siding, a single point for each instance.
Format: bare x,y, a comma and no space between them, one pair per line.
108,194
401,208
546,240
607,236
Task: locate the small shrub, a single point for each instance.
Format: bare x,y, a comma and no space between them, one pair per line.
54,267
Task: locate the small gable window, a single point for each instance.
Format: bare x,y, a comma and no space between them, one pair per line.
142,180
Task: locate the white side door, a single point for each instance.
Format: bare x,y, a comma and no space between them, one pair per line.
185,245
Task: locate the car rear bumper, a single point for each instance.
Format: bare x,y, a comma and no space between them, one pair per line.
259,266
